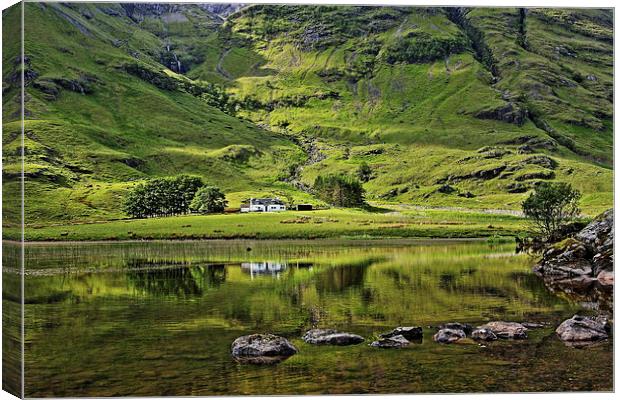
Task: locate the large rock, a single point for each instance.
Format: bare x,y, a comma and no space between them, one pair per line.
483,334
599,233
449,335
579,329
262,349
588,253
393,342
408,332
457,326
330,336
506,330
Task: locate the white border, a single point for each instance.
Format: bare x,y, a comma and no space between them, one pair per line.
479,3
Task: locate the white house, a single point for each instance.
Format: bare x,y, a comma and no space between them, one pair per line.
263,205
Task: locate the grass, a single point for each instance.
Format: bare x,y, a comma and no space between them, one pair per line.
341,223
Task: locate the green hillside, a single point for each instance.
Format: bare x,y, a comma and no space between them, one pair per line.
448,107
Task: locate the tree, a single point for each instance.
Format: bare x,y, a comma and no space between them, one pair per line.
340,190
209,199
364,173
162,196
550,206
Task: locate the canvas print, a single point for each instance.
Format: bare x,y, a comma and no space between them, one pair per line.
277,199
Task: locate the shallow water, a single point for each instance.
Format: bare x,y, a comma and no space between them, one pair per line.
120,319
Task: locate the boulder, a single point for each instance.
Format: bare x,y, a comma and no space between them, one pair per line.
408,332
262,349
330,336
483,334
393,342
598,234
448,335
457,326
580,329
506,330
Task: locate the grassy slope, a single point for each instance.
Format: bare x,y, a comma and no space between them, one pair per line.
84,150
413,123
418,115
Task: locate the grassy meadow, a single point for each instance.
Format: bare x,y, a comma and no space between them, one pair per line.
331,223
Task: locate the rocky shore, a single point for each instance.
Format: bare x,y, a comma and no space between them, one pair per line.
586,256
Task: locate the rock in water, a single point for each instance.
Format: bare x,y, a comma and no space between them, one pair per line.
506,330
262,349
393,342
408,332
483,334
458,326
448,335
330,336
583,330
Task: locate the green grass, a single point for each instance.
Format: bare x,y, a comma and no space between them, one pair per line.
289,224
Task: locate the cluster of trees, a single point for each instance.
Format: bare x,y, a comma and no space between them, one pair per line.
177,195
340,190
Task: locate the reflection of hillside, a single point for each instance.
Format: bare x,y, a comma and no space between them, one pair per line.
339,278
182,282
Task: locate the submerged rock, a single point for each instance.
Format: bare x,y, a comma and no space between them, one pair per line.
331,336
408,332
506,330
392,342
483,334
457,326
449,335
583,330
262,349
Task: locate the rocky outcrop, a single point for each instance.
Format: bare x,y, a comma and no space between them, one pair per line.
509,112
262,349
589,254
580,330
331,337
506,330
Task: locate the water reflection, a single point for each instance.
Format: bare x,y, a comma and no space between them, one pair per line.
176,281
263,268
169,314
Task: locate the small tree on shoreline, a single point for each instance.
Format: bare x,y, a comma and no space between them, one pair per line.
550,206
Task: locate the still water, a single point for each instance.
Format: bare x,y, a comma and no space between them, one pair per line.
158,318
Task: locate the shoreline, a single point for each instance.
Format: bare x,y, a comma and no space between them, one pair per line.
334,240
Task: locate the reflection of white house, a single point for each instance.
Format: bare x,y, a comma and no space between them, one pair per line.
263,205
263,268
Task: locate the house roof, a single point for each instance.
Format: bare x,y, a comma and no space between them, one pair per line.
266,201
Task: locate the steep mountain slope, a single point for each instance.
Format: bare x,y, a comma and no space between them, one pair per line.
421,93
102,112
452,107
